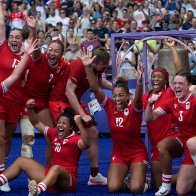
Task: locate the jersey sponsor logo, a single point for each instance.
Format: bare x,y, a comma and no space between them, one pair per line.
126,111
187,105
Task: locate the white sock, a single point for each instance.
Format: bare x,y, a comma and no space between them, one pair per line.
41,187
2,168
3,179
166,181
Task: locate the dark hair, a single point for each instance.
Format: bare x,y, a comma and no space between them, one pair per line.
58,42
101,55
121,83
23,33
90,30
69,113
189,77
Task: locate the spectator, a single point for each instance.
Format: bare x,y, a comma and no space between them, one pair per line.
186,4
188,24
52,19
127,62
91,44
101,32
32,11
64,19
41,25
126,27
192,59
85,19
139,15
74,52
172,20
16,17
96,10
48,39
164,25
41,8
119,8
123,18
78,8
133,26
172,5
193,7
70,38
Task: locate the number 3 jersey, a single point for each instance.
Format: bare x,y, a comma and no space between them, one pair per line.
65,152
125,129
184,114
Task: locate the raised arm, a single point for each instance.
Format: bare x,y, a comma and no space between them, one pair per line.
85,142
21,66
151,114
33,116
93,82
138,104
177,60
2,22
31,22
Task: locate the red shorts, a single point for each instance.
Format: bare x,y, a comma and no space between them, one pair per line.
155,153
187,157
10,110
69,188
39,106
58,107
141,157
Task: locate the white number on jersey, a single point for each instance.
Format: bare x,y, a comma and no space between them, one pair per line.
15,63
119,122
58,147
180,118
51,77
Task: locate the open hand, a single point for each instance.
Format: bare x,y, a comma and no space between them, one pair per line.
87,58
32,46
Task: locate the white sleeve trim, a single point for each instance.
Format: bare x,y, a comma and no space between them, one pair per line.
4,88
79,144
46,131
104,102
2,41
161,110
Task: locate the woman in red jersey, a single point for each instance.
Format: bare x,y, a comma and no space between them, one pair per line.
66,148
125,118
182,107
162,131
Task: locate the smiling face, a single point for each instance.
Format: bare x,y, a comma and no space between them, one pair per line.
63,127
15,41
54,53
120,98
158,81
181,87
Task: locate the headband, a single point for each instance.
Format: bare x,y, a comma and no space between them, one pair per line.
165,73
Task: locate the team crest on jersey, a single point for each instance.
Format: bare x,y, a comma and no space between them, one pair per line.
187,105
175,106
58,70
126,111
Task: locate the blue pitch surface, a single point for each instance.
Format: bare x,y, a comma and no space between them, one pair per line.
19,185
